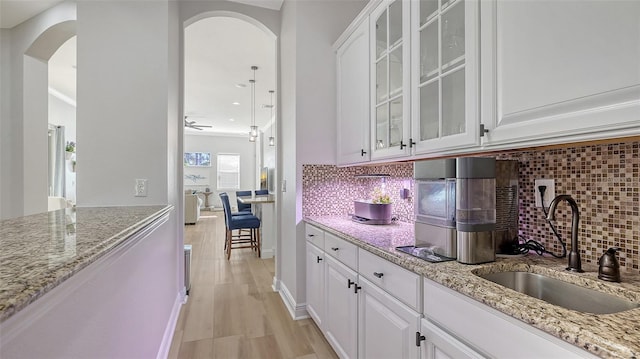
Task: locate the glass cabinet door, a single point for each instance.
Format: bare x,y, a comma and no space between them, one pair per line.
390,73
444,77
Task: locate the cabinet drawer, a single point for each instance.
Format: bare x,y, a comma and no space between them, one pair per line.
338,248
399,282
314,235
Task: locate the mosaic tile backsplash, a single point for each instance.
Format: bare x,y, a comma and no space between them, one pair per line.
604,180
331,190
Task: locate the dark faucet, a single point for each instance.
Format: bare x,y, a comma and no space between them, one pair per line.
574,255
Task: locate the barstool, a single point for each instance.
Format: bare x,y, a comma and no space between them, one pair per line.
240,222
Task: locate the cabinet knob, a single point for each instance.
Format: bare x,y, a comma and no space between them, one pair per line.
350,283
411,143
379,275
419,338
311,235
318,259
402,145
357,287
334,249
363,152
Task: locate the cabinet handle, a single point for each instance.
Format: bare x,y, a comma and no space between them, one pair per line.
402,145
357,287
311,235
350,283
334,248
363,152
483,130
318,259
379,275
411,143
419,338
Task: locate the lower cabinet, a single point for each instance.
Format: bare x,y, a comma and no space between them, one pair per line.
437,344
341,316
315,284
386,327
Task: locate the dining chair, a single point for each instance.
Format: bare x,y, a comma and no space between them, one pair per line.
249,222
261,192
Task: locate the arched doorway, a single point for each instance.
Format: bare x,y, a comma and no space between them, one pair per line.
225,45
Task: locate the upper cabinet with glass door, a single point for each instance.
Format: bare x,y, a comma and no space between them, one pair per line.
444,75
390,51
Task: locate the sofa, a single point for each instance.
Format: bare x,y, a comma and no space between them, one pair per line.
192,204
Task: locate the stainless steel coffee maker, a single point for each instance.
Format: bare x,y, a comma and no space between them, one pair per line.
476,209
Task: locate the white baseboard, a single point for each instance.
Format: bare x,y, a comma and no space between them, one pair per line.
275,285
297,311
167,338
267,253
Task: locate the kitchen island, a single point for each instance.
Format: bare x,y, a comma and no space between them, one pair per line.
75,280
605,335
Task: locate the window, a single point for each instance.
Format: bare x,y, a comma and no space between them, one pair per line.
228,171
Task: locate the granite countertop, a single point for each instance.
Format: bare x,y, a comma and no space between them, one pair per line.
606,335
40,251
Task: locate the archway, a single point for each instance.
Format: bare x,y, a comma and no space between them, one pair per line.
270,155
35,114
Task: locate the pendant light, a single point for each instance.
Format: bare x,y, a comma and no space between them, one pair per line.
253,133
272,140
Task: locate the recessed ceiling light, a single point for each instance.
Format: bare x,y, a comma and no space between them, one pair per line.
266,106
236,103
232,119
241,86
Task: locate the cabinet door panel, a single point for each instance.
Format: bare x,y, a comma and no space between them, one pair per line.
445,77
440,345
341,319
550,74
353,98
390,79
387,328
315,284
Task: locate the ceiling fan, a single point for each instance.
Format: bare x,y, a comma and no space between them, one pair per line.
193,124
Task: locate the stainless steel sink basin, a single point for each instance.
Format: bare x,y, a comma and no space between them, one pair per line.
560,293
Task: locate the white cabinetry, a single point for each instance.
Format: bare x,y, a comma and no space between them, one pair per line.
315,275
389,65
352,62
359,318
387,328
437,344
341,318
559,71
445,75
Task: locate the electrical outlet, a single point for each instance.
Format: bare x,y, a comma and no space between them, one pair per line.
549,194
141,188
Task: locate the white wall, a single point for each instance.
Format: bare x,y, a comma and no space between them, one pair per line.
63,114
222,144
122,96
309,29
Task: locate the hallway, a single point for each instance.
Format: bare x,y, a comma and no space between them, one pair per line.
232,311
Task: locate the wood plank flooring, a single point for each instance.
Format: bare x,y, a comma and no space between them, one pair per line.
232,311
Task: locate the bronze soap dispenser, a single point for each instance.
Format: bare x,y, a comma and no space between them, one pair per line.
609,269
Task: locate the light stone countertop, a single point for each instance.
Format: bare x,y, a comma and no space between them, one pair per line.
40,251
606,335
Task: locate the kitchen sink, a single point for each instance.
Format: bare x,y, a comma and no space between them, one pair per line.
560,293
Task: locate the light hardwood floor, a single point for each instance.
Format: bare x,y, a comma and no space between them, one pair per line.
232,311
